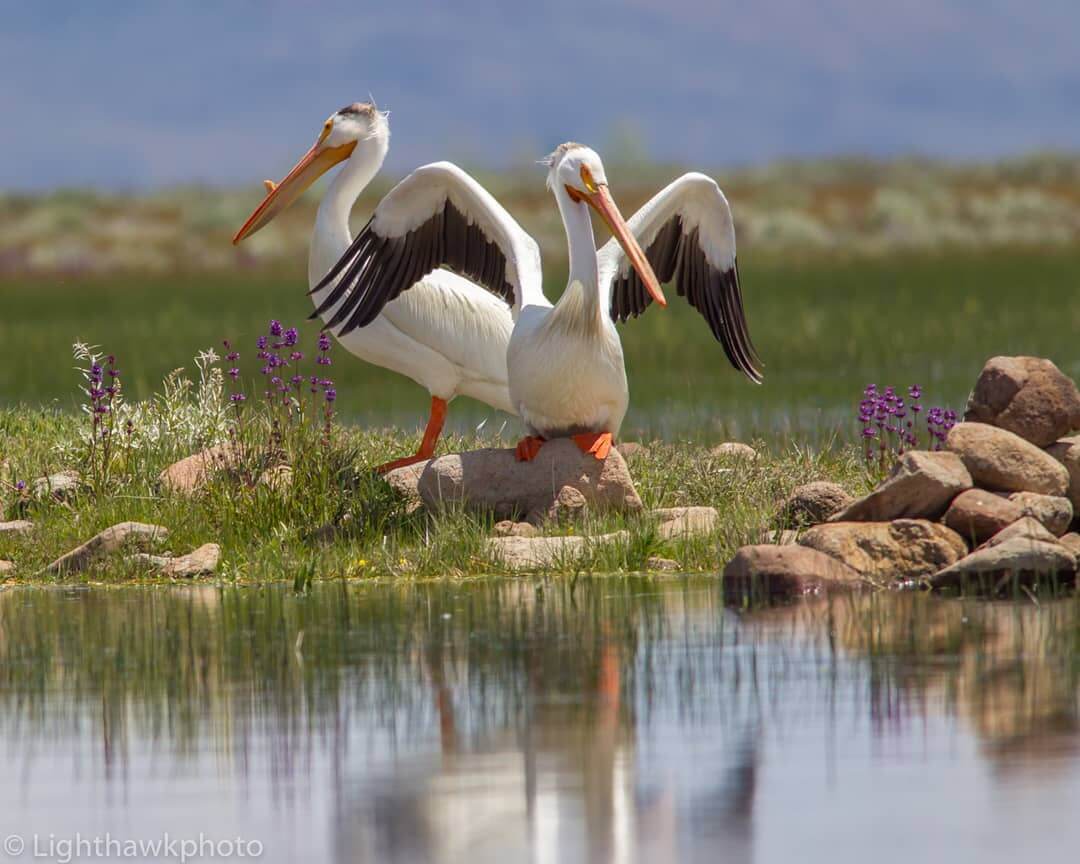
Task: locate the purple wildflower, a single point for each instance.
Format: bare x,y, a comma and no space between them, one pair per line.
234,373
260,343
275,328
237,398
324,341
291,337
331,394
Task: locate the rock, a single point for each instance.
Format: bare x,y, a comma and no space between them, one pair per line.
1054,512
6,567
106,543
1025,528
201,562
680,523
631,450
920,486
1017,556
524,553
656,564
494,481
60,486
1028,396
189,475
1067,452
1071,541
568,505
277,478
1001,461
406,481
813,503
509,528
885,551
769,571
783,537
734,450
19,526
977,515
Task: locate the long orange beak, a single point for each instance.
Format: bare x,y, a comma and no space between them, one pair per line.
312,165
602,202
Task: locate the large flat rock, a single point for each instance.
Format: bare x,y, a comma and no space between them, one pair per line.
886,551
107,542
767,572
559,479
1019,557
921,485
532,553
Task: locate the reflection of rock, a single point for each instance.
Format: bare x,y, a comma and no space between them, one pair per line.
999,460
920,486
977,515
770,571
901,549
494,481
200,562
105,543
679,523
1029,396
1054,512
812,503
524,553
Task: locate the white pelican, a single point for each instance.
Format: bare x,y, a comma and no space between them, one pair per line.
565,362
447,334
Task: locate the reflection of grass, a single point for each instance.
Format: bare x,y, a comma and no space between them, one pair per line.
824,329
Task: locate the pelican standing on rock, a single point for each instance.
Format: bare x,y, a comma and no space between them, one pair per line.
448,334
565,362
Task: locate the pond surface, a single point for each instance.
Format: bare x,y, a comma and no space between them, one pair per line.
608,720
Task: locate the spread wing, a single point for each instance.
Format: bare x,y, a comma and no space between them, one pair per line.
438,216
688,236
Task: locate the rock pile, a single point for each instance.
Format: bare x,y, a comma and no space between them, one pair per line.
993,508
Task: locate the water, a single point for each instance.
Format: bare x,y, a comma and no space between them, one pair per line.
618,719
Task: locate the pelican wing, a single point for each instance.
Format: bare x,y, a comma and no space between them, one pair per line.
438,216
688,236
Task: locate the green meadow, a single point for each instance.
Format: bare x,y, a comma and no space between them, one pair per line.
824,328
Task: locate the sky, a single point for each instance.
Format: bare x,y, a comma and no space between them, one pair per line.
135,95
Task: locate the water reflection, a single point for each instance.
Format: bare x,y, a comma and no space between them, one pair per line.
610,720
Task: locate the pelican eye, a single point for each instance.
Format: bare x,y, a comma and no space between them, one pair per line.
327,126
587,179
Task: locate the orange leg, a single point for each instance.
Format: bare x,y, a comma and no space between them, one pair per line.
597,443
528,447
431,435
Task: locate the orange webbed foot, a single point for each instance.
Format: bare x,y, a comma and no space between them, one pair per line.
528,447
597,443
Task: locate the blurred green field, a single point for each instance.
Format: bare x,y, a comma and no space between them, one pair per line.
824,329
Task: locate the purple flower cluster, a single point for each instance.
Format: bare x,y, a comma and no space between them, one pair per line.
281,358
890,420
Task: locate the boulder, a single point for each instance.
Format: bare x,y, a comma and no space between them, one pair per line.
977,515
631,450
656,564
812,503
1053,511
886,551
494,481
734,450
1025,528
509,528
6,567
1001,461
277,478
777,537
527,553
1067,452
920,486
1029,396
60,486
19,526
767,571
201,562
105,543
680,523
1016,557
1071,541
191,474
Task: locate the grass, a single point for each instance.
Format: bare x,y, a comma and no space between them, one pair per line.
268,534
824,329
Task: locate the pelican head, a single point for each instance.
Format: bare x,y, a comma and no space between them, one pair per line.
360,124
578,169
